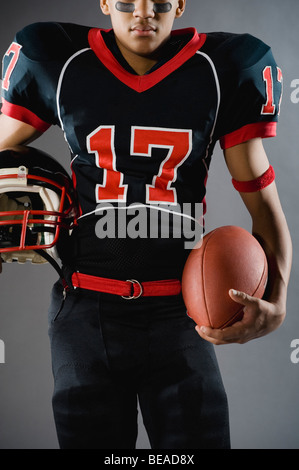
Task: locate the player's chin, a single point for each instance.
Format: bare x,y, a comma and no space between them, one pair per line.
146,52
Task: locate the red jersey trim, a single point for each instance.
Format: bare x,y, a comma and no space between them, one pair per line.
74,179
142,83
22,114
250,131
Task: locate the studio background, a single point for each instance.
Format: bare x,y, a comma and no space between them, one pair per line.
261,380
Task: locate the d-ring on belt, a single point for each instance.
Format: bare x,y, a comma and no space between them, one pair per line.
130,289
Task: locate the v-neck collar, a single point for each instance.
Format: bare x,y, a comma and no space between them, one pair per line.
142,83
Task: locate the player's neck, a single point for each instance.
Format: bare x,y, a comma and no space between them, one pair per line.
140,63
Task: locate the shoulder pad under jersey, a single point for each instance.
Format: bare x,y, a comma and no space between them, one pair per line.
237,51
51,41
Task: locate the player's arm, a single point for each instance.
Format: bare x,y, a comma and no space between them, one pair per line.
14,132
247,162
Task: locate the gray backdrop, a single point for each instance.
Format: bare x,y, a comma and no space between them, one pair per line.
261,380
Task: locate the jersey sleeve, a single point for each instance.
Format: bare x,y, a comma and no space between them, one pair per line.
251,91
29,76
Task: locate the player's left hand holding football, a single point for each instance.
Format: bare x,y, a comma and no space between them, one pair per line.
260,318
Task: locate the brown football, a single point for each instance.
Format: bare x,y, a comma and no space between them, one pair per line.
227,258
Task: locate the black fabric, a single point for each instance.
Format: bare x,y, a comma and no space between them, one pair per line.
109,352
139,258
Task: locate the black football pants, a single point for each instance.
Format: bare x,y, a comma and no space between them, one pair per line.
107,351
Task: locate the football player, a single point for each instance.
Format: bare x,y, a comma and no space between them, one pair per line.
142,107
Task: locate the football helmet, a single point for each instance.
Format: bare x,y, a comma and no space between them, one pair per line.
37,205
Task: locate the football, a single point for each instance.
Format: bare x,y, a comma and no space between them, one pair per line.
228,257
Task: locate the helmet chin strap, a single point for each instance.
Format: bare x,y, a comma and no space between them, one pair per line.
50,260
65,273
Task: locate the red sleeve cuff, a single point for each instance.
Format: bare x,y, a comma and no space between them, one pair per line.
22,114
250,131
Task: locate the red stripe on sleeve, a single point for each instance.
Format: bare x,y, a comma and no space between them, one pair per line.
22,114
250,131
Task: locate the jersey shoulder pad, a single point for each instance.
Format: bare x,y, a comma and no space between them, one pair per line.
239,51
50,41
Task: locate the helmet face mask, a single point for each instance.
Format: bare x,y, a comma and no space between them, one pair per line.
36,205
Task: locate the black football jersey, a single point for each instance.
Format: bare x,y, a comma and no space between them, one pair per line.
139,140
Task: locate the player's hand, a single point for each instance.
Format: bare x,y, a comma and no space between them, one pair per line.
260,318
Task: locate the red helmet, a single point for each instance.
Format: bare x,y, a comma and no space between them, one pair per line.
36,205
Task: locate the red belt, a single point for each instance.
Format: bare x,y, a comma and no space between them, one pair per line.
130,289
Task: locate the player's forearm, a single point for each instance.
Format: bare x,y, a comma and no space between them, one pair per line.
271,229
247,162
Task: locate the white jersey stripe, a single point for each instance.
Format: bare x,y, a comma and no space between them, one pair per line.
218,94
61,80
